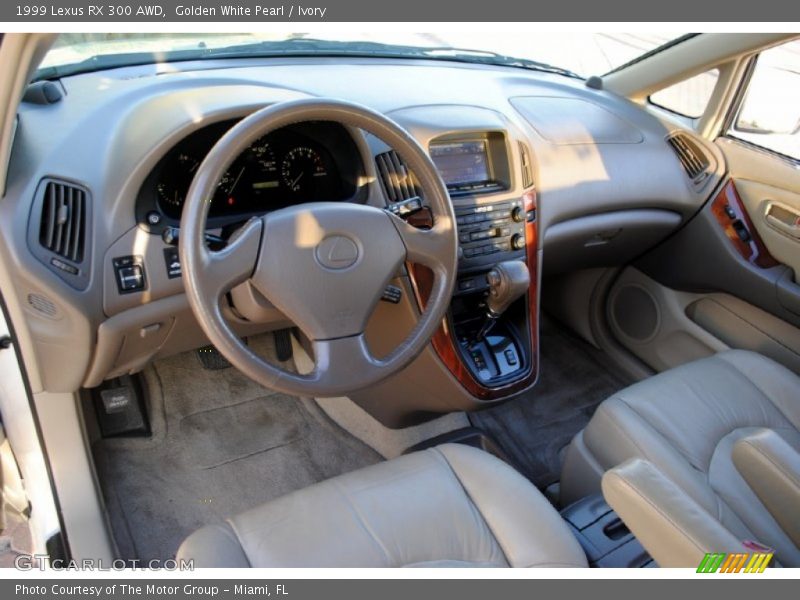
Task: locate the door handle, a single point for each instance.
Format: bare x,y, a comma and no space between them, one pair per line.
783,218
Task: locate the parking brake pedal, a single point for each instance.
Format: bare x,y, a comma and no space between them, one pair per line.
120,407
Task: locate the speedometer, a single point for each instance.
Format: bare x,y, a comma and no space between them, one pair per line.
263,154
254,172
303,171
266,166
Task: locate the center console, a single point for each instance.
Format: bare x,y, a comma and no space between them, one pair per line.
491,355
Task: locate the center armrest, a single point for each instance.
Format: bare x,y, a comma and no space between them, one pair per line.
672,526
771,467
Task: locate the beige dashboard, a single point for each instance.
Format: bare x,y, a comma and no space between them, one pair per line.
594,156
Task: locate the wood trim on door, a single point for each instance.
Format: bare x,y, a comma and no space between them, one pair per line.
753,249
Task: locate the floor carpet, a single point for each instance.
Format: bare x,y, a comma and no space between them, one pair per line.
221,444
535,428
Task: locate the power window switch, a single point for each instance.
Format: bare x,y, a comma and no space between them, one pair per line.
742,231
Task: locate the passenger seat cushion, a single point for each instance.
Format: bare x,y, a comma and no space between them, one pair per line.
450,505
686,421
694,406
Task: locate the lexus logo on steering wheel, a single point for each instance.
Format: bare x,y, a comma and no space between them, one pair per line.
337,252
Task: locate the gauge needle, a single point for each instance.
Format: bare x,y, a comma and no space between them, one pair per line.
238,177
294,183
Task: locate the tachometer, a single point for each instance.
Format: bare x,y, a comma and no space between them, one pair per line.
303,171
175,181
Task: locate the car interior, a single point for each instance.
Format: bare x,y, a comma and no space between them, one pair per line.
378,307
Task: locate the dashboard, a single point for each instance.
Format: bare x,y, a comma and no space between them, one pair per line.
313,161
126,143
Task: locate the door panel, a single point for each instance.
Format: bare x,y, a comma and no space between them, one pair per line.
705,257
764,180
742,325
739,272
730,278
734,219
664,327
771,210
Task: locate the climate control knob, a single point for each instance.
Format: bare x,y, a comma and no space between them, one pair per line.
517,242
517,214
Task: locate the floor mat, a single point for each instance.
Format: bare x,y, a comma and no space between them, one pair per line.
221,444
535,428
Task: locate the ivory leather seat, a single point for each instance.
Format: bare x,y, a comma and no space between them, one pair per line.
448,506
724,429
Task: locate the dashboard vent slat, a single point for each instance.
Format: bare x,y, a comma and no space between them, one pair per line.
398,182
49,218
77,243
62,228
63,217
692,158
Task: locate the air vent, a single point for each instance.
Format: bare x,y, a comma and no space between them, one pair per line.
63,225
527,168
398,181
693,159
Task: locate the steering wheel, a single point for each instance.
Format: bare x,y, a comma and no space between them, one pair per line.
324,265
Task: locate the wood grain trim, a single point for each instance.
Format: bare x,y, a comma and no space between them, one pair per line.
443,341
754,250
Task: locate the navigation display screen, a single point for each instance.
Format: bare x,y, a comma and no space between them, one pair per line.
460,163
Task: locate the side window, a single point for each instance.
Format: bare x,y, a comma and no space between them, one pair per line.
770,113
688,97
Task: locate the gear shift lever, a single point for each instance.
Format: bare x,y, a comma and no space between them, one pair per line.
507,281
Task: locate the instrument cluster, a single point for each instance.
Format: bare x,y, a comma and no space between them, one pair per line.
306,162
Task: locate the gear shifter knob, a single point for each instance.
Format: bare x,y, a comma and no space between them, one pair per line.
507,282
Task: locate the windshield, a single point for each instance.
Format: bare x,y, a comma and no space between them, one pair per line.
579,55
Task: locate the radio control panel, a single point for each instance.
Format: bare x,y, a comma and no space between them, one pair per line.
490,233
